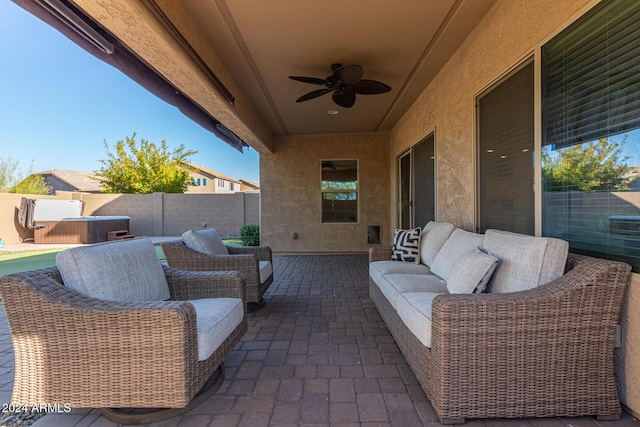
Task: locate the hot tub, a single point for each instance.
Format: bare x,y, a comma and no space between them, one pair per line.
82,229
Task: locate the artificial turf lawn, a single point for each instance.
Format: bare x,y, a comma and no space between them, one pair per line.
31,260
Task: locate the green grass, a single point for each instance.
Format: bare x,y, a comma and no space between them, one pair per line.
31,260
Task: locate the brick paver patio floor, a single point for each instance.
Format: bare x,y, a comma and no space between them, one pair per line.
317,354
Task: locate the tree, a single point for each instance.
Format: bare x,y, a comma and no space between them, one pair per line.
594,166
146,169
33,184
10,173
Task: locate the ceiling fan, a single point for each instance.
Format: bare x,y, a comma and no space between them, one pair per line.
345,82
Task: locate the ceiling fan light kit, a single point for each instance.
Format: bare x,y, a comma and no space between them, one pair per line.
345,82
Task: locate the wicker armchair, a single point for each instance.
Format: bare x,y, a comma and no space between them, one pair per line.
87,352
249,261
547,351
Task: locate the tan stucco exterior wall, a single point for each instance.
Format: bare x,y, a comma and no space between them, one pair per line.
291,196
510,32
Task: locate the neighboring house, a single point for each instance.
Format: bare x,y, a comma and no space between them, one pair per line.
70,180
249,186
206,180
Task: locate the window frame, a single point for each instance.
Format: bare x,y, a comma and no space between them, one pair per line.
324,191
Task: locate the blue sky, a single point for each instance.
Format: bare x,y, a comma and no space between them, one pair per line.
59,104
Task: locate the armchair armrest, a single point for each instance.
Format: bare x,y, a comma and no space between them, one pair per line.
186,285
80,345
553,343
379,253
263,253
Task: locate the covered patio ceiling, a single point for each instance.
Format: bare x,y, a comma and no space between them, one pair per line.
403,44
253,47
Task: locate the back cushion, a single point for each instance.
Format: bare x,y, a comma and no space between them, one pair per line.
125,270
433,237
521,260
458,244
205,240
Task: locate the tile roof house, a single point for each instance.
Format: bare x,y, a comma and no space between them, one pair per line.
71,180
205,180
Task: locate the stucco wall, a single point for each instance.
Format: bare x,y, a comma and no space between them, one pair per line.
510,32
291,196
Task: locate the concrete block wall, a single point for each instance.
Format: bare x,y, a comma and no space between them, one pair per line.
155,214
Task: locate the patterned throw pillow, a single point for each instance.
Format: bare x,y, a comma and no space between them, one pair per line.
406,246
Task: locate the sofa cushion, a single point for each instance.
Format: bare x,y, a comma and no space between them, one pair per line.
379,268
124,270
554,260
414,309
216,318
471,272
266,270
392,285
433,236
521,259
459,243
406,245
205,240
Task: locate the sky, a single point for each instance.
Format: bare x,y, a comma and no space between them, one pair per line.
59,105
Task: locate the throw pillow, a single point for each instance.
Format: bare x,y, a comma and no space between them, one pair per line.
471,273
406,246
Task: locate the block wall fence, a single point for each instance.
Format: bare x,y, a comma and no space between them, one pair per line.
157,214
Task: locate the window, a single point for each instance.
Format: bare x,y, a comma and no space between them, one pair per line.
591,133
204,182
220,183
231,186
505,117
339,190
417,194
198,182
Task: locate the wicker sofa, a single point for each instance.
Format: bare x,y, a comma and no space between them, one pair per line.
156,339
517,350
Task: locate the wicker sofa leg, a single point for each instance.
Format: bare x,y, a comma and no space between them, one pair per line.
450,421
612,417
255,306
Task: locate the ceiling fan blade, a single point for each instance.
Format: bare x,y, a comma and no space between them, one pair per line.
344,99
370,87
314,94
312,80
348,74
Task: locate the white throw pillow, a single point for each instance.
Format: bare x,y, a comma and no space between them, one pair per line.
471,273
205,240
459,243
406,246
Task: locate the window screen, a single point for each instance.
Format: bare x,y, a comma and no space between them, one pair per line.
505,154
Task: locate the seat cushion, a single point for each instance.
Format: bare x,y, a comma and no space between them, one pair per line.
406,246
392,285
432,238
216,318
205,240
459,243
124,270
266,270
378,269
471,272
414,309
521,260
